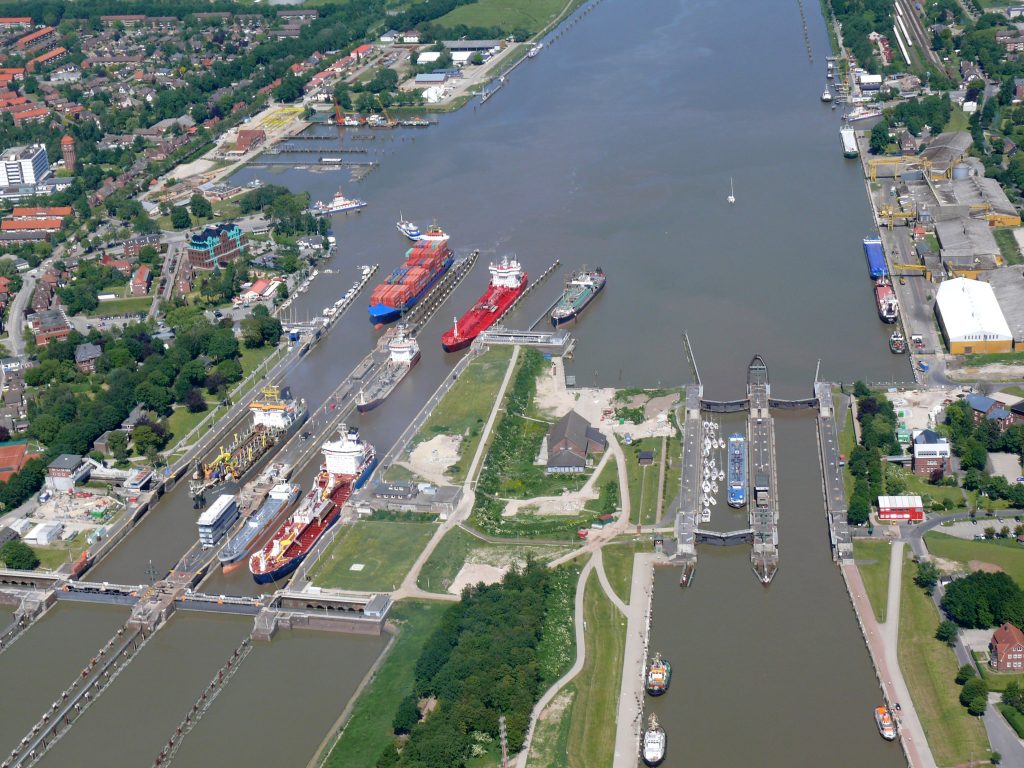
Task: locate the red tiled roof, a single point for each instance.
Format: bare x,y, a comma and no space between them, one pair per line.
1008,634
60,210
31,224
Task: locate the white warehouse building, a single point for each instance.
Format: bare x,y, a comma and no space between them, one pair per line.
970,318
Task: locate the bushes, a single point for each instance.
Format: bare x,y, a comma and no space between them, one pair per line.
878,436
982,600
19,555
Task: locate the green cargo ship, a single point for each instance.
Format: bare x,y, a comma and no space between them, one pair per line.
580,290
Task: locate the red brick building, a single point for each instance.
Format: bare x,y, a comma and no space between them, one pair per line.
49,325
141,280
1006,649
931,454
216,246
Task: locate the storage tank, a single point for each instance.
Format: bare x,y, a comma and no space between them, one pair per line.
961,171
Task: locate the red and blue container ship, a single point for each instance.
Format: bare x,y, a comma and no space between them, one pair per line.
508,281
424,265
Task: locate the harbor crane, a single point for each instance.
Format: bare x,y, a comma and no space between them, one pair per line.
891,214
905,163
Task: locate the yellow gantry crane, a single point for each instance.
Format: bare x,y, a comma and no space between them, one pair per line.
891,215
908,163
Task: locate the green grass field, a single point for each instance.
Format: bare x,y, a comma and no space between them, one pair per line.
133,306
997,681
1007,246
1006,553
251,358
929,668
873,563
386,551
957,120
458,545
466,406
618,565
609,473
591,740
917,485
643,480
181,422
529,15
550,748
368,730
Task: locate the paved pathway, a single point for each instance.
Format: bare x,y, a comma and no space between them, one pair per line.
581,657
409,587
631,695
882,645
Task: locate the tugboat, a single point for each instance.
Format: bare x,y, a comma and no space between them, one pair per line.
408,229
885,723
659,675
655,742
434,234
897,344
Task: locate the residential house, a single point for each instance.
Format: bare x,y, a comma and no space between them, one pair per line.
86,355
133,246
1006,649
132,420
141,280
931,454
570,442
981,406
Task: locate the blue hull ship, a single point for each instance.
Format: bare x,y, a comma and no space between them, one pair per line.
737,474
383,314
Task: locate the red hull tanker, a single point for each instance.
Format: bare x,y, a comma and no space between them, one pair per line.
508,281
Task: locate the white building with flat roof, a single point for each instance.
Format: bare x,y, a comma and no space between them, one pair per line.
970,318
23,165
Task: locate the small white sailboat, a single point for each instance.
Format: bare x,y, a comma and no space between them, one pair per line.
732,192
706,487
713,500
721,475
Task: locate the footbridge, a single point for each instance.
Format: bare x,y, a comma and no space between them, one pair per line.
725,538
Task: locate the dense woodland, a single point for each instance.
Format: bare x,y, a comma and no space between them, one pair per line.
982,600
484,661
972,444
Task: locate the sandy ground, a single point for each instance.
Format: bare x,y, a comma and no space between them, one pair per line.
995,372
474,573
74,513
432,458
978,565
922,403
591,403
200,165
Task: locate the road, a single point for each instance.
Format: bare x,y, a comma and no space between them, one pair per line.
16,321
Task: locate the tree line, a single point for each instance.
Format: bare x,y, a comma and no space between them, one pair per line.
484,661
877,438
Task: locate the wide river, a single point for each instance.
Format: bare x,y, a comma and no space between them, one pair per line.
613,148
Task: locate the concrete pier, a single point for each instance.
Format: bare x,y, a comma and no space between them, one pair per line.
832,475
690,482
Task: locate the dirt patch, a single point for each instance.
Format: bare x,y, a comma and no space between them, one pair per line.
431,459
474,573
946,566
978,565
558,705
658,405
994,372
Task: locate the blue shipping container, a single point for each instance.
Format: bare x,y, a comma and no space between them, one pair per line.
876,257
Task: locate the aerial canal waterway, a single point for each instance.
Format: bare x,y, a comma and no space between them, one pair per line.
613,148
